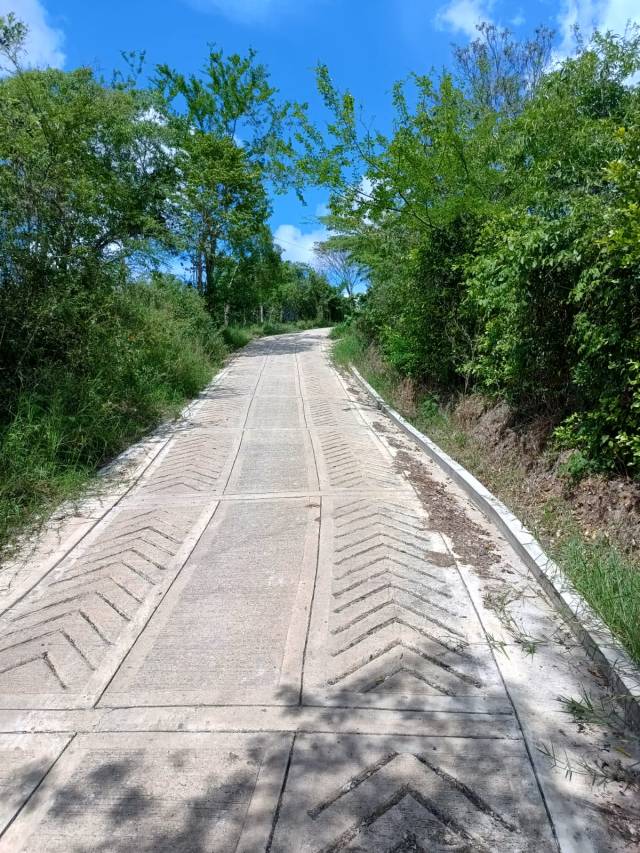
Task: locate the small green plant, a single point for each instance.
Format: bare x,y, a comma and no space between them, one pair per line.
430,407
236,337
577,466
340,330
348,349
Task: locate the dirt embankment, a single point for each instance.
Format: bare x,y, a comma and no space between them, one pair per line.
601,506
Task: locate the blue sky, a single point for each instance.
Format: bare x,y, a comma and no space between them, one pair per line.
368,44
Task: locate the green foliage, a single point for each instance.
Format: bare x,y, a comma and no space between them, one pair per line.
230,134
98,183
429,407
348,349
576,466
517,284
340,330
499,227
236,337
151,347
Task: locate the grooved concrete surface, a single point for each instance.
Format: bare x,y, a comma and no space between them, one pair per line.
268,644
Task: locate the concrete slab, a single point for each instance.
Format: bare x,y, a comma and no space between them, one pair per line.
276,412
60,644
318,380
24,762
332,414
392,622
410,794
462,718
222,407
274,461
177,793
355,459
232,630
195,462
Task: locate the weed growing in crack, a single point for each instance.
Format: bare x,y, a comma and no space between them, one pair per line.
605,714
500,601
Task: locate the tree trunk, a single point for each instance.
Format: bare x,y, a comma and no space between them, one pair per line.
209,281
198,271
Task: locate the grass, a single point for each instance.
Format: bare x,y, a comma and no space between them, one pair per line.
236,337
607,576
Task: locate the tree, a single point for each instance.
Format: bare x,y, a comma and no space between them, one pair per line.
498,72
338,263
85,178
230,137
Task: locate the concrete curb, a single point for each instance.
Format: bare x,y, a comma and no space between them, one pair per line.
621,672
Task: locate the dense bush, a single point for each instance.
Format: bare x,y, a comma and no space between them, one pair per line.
501,231
146,349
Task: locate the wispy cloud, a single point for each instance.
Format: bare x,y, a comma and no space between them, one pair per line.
589,15
44,42
297,245
246,11
463,16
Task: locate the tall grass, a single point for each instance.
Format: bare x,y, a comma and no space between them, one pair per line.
609,580
138,362
149,350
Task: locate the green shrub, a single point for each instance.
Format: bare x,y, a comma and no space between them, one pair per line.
340,330
518,284
148,349
236,337
429,407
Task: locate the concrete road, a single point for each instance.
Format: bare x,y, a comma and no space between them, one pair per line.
289,634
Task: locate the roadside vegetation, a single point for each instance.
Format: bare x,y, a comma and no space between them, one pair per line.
102,183
499,228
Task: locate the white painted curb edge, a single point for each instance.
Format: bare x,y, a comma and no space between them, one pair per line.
621,672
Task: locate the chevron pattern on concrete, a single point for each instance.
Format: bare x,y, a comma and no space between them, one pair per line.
355,460
222,408
399,619
327,414
56,638
193,463
382,795
318,379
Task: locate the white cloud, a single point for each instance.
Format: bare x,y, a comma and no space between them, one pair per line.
366,186
296,245
44,42
590,15
462,16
